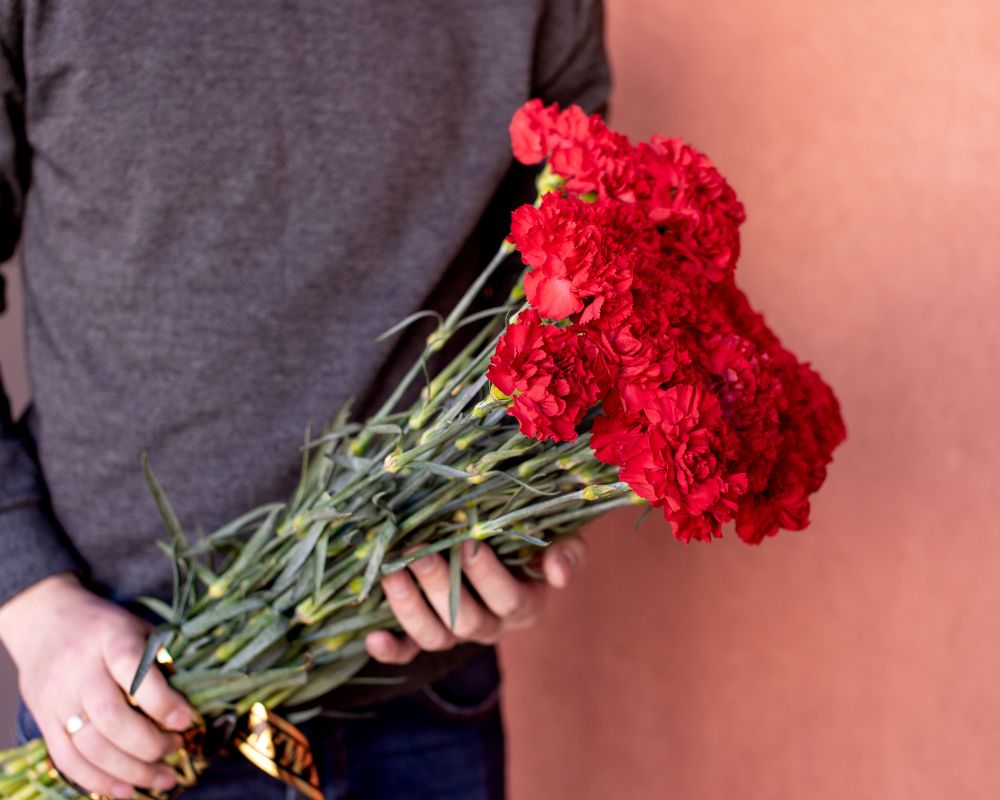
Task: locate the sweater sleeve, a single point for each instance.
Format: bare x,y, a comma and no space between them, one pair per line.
571,63
32,546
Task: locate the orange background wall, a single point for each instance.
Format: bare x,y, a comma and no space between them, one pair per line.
860,659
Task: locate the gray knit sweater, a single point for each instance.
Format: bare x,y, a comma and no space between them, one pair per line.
219,207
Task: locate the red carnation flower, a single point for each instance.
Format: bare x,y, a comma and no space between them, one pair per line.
549,373
637,358
699,209
581,149
812,427
582,256
706,414
590,156
531,129
751,398
678,457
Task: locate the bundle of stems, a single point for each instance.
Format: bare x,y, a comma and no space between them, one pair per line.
273,607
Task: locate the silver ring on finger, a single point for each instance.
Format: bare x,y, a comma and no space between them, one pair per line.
75,723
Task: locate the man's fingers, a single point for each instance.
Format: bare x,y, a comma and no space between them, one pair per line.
414,615
154,696
514,601
562,559
473,622
71,763
97,749
109,712
389,649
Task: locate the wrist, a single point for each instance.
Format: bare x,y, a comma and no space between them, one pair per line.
21,614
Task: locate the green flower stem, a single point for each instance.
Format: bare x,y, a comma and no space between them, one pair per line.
497,524
451,323
442,385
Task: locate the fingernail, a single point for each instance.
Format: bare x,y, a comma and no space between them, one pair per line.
570,558
564,570
179,720
164,782
394,585
423,565
121,790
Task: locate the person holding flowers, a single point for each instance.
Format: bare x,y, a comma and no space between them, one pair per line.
619,364
217,214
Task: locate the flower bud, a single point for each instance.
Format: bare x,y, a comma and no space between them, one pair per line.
437,339
334,643
393,463
417,419
496,394
548,181
480,531
464,442
362,551
597,492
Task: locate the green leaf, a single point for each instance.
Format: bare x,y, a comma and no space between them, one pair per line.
298,556
158,607
45,791
255,543
159,637
327,678
383,539
641,518
328,515
187,589
390,567
175,570
190,681
405,323
353,621
300,490
440,469
229,530
526,486
384,430
454,581
170,520
240,685
486,313
528,538
216,615
272,633
322,546
349,649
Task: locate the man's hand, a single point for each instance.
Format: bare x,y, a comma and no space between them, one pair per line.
76,655
421,605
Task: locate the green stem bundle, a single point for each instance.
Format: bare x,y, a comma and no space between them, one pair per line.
274,606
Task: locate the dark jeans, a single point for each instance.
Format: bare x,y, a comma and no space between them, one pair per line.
444,742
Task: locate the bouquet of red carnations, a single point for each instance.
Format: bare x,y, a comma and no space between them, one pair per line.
625,367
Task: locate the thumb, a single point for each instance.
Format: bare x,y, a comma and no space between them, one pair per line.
562,559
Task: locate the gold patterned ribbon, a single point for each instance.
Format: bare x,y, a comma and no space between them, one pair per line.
268,741
280,749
